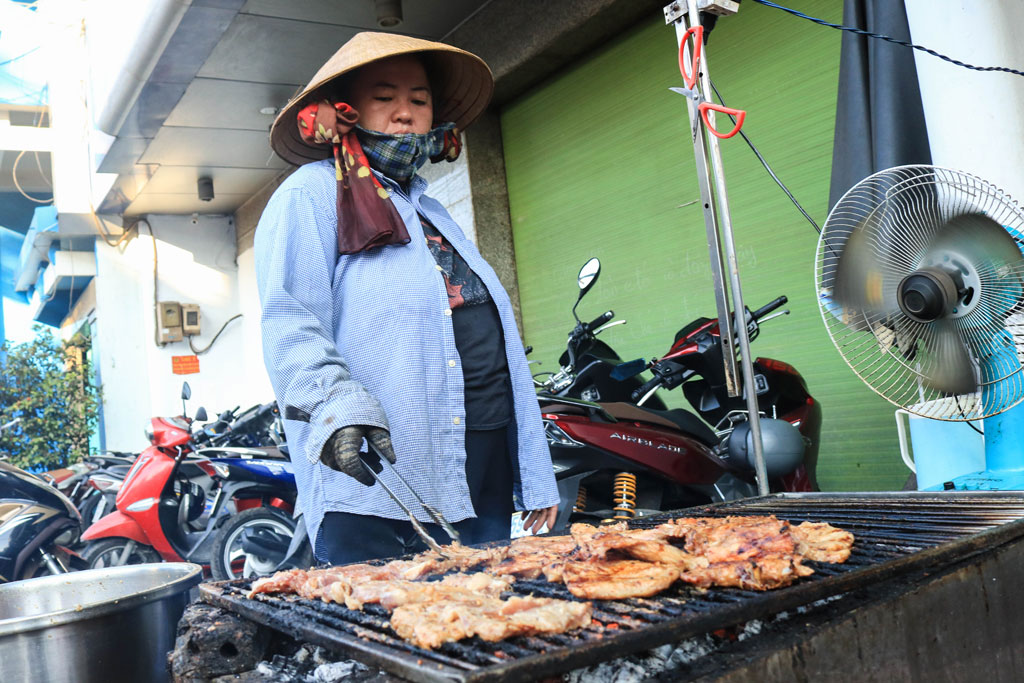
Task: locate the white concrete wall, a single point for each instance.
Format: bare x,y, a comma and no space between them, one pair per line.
196,265
974,118
449,184
252,349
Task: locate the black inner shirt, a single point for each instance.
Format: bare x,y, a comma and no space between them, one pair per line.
479,337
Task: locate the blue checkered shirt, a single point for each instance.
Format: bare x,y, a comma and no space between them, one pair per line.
366,339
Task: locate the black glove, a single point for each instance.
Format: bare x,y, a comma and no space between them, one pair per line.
341,452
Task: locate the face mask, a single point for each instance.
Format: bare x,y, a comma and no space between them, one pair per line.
400,156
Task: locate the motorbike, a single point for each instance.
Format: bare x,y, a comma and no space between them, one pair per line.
162,510
233,434
38,524
619,453
94,496
259,539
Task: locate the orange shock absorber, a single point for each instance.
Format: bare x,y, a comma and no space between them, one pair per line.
581,500
624,495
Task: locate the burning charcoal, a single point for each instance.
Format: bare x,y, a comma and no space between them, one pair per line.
338,671
212,642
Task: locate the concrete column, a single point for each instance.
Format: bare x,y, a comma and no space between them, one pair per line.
490,202
525,42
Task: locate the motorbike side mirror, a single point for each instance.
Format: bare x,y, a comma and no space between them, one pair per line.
586,279
186,394
201,414
588,275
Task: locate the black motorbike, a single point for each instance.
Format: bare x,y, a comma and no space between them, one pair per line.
258,426
37,524
617,451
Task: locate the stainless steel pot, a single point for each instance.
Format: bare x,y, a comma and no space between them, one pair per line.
113,624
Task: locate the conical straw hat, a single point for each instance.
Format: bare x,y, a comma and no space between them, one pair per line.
462,84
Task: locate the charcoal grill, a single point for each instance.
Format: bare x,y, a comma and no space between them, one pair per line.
896,534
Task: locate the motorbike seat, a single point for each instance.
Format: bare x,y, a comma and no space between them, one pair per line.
678,418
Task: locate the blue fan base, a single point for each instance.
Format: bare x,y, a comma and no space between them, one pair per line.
1004,457
993,480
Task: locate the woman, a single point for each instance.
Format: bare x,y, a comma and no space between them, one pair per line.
380,318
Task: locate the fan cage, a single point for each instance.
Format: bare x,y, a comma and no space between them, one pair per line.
900,209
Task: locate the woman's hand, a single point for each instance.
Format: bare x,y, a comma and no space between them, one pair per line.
537,519
341,452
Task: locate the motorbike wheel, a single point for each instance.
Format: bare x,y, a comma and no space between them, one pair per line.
229,560
107,553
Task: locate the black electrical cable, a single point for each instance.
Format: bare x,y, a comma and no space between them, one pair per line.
880,36
207,347
768,168
964,416
156,299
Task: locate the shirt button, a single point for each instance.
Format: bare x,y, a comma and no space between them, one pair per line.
456,420
451,363
448,311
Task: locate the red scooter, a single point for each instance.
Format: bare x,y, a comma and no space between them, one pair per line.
162,512
615,456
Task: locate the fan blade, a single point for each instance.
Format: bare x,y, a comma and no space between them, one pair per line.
980,239
950,367
867,274
974,242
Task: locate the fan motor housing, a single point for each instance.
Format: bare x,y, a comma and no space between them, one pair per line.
928,294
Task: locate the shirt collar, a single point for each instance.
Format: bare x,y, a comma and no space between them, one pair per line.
417,185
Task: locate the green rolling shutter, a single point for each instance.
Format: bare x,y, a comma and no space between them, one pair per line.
599,163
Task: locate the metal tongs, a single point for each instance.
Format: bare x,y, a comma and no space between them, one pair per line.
431,511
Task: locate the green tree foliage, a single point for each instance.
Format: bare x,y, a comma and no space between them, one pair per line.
46,383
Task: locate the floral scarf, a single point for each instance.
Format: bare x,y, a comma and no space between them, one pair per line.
366,216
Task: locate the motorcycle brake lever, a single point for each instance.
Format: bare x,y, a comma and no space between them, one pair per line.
773,315
604,327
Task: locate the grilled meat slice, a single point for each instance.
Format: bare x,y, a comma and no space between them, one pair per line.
456,588
429,624
762,574
331,583
282,582
822,542
648,545
729,539
530,556
617,579
457,557
335,583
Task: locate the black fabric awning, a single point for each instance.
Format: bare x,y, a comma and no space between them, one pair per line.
880,120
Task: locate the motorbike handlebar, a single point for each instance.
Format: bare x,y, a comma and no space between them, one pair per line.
645,387
769,307
600,320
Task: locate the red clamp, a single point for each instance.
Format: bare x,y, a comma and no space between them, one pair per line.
738,113
691,78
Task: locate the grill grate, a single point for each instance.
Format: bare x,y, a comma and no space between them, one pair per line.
895,534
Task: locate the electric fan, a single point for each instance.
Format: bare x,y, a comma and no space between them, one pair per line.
919,273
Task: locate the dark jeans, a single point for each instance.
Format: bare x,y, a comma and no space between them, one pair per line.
345,537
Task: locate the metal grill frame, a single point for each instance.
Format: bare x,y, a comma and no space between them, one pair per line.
995,518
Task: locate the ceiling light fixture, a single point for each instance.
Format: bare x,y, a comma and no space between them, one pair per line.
205,188
269,111
389,13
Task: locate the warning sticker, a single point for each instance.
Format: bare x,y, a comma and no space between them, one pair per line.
185,365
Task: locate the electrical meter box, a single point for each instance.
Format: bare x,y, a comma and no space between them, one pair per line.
169,321
190,319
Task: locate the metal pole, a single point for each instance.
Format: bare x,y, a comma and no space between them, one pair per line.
704,143
707,200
